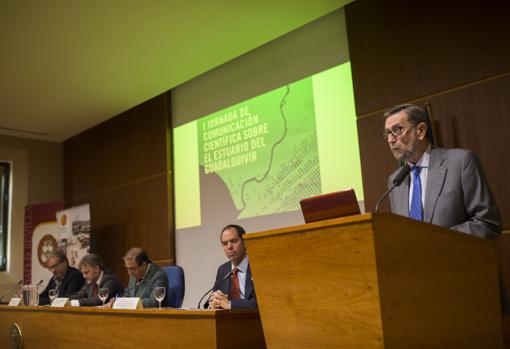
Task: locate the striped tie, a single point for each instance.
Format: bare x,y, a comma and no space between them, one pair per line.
236,291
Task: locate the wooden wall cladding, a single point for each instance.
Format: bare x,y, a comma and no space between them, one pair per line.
133,215
121,168
502,248
474,117
403,50
126,148
377,162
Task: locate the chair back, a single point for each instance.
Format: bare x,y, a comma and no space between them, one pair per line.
176,285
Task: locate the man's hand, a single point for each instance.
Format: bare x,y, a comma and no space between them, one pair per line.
219,300
110,303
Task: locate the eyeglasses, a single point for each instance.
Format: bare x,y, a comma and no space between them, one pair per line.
132,268
396,132
54,266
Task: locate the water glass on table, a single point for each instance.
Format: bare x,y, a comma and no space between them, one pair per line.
159,294
102,293
52,294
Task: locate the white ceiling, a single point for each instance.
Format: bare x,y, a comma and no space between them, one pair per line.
67,65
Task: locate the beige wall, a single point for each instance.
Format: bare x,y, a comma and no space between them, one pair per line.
315,47
36,173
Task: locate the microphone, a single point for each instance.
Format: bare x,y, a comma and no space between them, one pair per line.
10,289
39,283
396,182
212,288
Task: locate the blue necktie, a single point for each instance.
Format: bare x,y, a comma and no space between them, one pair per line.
416,210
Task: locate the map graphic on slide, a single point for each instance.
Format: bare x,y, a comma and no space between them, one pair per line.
264,149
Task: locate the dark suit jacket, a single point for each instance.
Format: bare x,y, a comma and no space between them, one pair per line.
109,281
71,283
155,277
457,197
249,301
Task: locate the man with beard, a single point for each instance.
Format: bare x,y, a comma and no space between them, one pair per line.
96,277
447,187
66,280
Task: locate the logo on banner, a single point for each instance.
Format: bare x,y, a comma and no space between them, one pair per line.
63,220
46,246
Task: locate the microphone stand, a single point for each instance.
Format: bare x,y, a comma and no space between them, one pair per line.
212,288
396,182
10,289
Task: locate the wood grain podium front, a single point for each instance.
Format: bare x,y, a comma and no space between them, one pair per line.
375,281
45,327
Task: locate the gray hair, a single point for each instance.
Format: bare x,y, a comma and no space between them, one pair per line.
60,255
92,260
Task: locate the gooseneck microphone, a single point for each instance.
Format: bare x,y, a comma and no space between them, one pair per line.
212,288
10,289
396,182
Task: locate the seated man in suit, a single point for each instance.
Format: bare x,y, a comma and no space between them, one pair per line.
66,280
447,187
234,285
144,276
96,277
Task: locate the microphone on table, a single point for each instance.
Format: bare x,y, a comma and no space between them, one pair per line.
10,289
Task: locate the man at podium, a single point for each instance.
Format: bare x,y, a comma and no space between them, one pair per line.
447,187
234,285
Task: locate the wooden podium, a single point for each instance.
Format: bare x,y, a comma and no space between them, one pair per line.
375,281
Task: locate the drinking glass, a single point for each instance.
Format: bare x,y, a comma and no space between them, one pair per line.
30,295
159,294
52,294
102,293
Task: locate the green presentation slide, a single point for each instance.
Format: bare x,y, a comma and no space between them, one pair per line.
264,149
270,151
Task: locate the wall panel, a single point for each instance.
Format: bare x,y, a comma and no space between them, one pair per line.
122,169
401,50
123,149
